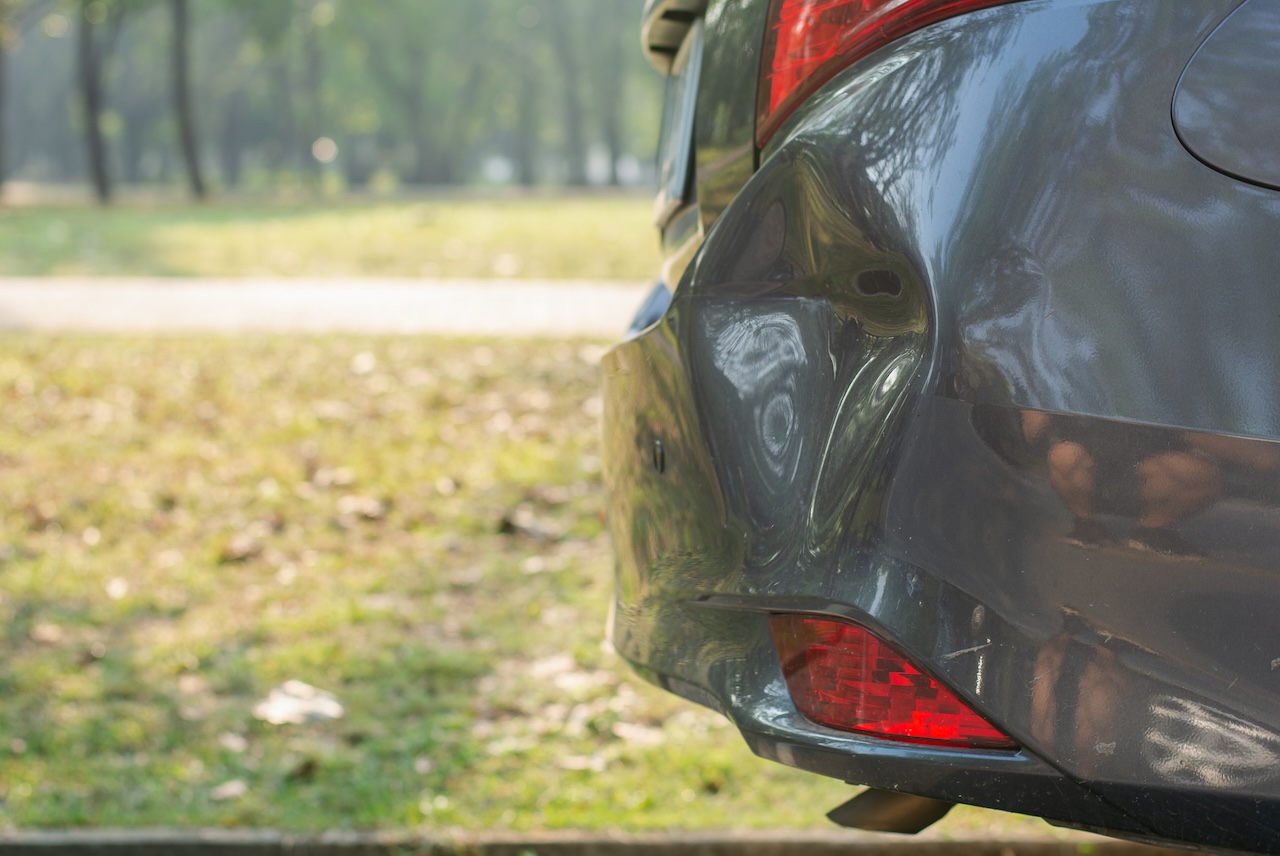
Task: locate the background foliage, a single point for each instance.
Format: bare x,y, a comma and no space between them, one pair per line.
341,94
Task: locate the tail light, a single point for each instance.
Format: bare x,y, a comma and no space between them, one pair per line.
843,677
808,41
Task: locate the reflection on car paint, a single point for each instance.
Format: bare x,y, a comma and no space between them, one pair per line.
1196,744
762,356
1130,486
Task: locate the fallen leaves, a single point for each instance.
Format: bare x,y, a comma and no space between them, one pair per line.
47,633
523,520
363,507
230,790
246,544
260,509
295,702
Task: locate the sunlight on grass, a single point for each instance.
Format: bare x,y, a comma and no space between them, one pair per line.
607,237
414,525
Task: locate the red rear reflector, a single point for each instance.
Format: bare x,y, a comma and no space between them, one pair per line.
808,41
842,676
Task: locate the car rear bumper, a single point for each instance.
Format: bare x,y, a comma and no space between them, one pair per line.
877,376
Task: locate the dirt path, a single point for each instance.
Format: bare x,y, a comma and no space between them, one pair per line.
482,307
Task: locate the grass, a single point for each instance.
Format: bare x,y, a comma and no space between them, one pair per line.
412,524
586,237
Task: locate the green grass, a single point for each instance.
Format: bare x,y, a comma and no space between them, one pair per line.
602,237
188,523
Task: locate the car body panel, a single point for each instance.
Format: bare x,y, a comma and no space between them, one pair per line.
863,388
725,151
1224,108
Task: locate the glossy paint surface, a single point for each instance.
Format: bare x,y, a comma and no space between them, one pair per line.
984,359
1225,107
725,129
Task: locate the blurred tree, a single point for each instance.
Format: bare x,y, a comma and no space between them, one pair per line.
182,106
612,23
238,92
98,27
8,35
426,59
90,56
227,84
15,18
138,101
567,32
526,132
314,77
254,90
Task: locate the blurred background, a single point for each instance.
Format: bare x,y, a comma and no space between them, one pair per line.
329,138
340,96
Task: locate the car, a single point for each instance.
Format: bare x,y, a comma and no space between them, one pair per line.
945,456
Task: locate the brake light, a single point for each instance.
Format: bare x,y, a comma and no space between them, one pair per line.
808,41
842,676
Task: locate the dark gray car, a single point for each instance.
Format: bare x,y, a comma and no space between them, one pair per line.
944,458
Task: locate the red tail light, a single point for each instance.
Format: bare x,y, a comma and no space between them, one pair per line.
842,676
808,41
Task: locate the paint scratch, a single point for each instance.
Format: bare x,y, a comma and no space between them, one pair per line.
964,651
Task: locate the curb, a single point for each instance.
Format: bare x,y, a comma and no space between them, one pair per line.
215,842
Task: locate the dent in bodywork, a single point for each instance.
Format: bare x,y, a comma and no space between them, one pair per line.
803,347
757,401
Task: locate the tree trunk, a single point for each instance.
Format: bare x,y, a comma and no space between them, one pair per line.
359,161
526,142
232,148
286,156
612,112
315,121
90,68
457,142
575,133
607,80
12,23
409,93
423,163
413,100
182,98
611,117
131,146
4,103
